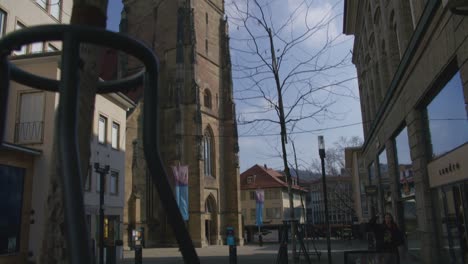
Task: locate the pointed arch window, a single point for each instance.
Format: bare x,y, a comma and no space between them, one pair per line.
208,153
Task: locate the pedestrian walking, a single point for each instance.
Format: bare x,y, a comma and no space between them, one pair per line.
388,236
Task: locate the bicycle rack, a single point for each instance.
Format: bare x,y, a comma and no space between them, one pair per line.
78,241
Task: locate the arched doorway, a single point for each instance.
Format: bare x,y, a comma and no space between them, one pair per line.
211,223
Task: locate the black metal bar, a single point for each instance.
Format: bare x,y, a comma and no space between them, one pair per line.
78,243
4,90
157,170
31,80
102,174
325,201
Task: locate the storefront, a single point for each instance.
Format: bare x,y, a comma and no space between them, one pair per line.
448,176
16,176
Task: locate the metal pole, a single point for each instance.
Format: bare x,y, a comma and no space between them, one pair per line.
101,218
325,200
102,173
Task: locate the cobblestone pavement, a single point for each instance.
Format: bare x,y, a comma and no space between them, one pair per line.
245,254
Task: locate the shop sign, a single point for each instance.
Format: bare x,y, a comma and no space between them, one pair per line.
371,190
449,168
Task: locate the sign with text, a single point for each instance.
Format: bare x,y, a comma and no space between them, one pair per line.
371,190
370,257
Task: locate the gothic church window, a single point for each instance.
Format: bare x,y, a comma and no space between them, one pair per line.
208,153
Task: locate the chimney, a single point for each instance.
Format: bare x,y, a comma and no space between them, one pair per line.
264,165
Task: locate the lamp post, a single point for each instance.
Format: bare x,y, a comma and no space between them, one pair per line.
102,171
321,144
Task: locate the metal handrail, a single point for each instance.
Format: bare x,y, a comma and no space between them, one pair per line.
72,36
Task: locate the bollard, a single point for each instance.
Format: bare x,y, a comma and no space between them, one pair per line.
233,254
138,254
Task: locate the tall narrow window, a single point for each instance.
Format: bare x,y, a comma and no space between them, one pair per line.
3,16
115,135
29,127
102,124
87,185
208,154
54,8
114,183
24,48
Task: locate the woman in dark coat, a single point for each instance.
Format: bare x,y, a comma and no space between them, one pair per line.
387,235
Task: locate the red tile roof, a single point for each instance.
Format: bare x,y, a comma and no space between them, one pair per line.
264,178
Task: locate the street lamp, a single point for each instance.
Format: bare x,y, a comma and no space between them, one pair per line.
321,143
102,171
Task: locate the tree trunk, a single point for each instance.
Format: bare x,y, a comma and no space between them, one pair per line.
284,141
91,13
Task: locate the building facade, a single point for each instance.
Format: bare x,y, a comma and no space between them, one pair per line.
412,72
198,120
276,204
341,210
26,148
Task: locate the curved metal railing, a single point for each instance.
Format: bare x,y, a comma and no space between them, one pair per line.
72,36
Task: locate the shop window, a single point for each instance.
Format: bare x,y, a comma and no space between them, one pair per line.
404,164
447,118
386,191
11,199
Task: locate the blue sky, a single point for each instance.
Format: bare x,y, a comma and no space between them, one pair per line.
260,144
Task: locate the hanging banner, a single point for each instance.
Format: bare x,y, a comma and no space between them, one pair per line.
260,199
181,189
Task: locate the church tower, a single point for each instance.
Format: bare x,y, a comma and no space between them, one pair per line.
198,125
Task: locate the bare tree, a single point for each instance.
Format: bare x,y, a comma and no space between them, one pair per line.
91,13
285,81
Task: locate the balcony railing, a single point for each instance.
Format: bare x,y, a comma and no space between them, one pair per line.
29,132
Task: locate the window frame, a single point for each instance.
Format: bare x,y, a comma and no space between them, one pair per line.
19,111
208,154
114,175
3,22
46,6
104,140
117,143
26,47
88,179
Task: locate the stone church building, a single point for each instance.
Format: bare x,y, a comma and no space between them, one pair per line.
197,115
